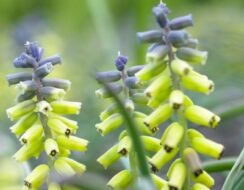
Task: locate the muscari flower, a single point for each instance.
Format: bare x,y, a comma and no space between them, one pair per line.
40,124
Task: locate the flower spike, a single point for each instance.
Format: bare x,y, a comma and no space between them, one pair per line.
40,125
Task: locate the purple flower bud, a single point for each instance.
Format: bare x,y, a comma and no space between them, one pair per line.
44,70
164,7
150,36
57,83
132,82
40,53
33,49
103,93
24,61
108,76
26,96
160,16
181,22
133,70
55,59
192,43
17,77
178,38
120,62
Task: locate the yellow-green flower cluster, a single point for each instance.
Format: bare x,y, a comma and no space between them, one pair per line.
169,71
111,119
39,116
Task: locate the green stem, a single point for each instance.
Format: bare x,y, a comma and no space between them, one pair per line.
232,112
134,135
180,114
183,122
43,118
230,180
222,165
133,168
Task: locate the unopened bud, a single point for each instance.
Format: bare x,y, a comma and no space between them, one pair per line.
109,157
172,136
24,61
111,123
32,134
157,53
51,147
63,167
181,22
139,98
131,71
72,143
43,107
44,70
23,124
177,175
17,77
151,144
161,158
111,109
151,70
207,147
124,146
193,133
120,62
132,82
192,43
178,38
176,99
108,76
193,161
197,82
21,109
205,179
150,36
54,60
121,180
28,85
158,116
160,16
159,98
159,182
202,116
37,177
51,93
156,88
142,127
73,125
181,67
192,55
30,150
25,96
59,127
57,83
104,93
66,107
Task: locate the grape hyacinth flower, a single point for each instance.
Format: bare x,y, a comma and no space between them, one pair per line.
124,80
41,125
169,71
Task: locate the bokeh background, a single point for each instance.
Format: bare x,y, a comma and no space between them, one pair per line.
88,34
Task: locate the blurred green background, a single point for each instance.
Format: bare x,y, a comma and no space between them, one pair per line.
88,34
